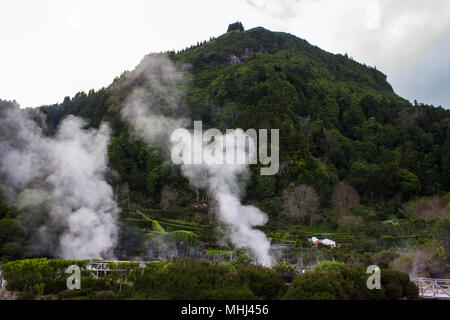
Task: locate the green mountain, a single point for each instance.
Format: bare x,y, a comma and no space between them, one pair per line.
339,120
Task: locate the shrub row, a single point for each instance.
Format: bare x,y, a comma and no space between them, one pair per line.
190,279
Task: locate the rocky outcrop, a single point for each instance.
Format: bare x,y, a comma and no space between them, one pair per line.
234,59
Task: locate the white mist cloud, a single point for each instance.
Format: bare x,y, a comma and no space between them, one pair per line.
224,183
84,200
70,168
150,107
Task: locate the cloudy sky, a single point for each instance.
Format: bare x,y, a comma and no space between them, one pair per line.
55,48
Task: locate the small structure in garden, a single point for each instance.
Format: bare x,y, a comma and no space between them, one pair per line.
326,242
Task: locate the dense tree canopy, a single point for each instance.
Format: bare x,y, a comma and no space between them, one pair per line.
339,120
235,26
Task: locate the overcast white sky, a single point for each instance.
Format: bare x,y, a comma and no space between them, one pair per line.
54,48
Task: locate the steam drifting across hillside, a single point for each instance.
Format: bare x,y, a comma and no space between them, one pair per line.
59,180
155,110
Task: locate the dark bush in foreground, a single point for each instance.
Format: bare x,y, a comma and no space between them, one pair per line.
396,285
38,276
192,280
263,282
350,282
314,286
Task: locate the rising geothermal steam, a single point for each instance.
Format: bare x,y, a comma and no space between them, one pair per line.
223,182
68,169
154,111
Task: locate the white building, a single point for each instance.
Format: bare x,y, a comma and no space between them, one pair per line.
326,242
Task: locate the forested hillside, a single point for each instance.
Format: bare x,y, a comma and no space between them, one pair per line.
339,120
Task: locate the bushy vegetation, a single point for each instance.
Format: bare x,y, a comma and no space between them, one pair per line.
331,267
314,286
235,26
189,279
38,276
349,283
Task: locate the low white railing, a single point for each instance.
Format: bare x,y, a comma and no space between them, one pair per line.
433,288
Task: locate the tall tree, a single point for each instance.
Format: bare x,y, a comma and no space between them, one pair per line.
301,203
235,26
345,198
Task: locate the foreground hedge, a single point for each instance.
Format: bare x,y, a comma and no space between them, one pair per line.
190,279
349,282
38,276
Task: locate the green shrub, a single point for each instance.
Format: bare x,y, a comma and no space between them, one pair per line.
242,258
189,279
284,267
12,250
388,241
314,286
410,290
332,267
229,287
26,295
182,279
396,285
94,284
184,237
285,271
25,274
76,294
355,284
263,282
39,289
157,227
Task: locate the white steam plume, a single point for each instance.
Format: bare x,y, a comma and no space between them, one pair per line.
70,168
223,183
155,110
